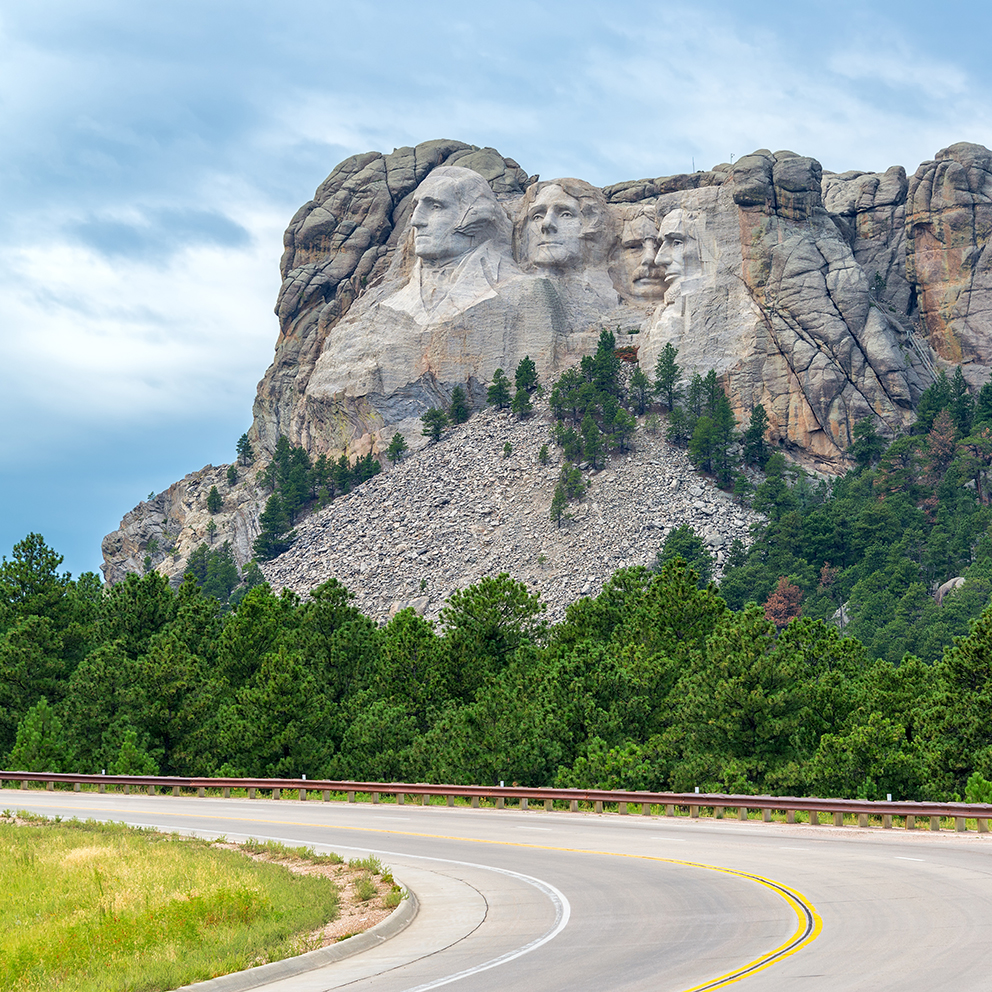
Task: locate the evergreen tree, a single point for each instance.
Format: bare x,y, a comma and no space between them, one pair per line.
525,375
498,393
276,536
543,456
667,375
606,366
396,448
683,542
558,503
592,442
232,475
458,411
867,446
434,420
522,406
679,429
783,604
342,475
935,397
962,404
640,390
215,502
246,454
756,448
41,742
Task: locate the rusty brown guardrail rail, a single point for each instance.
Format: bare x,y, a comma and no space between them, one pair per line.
668,802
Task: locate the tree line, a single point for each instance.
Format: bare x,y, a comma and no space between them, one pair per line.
656,683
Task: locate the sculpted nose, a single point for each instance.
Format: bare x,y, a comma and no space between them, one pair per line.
548,225
663,257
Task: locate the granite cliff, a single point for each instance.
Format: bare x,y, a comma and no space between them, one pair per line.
825,297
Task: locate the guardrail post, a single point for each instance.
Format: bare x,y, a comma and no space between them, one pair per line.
838,819
670,809
549,805
127,788
741,812
400,799
175,790
935,823
303,795
645,809
983,824
718,812
425,800
814,817
251,793
450,800
500,802
475,802
101,788
523,803
862,819
325,795
622,809
573,806
49,786
886,821
201,792
960,824
694,811
75,787
276,793
24,784
910,821
351,797
597,806
226,792
790,816
766,816
375,797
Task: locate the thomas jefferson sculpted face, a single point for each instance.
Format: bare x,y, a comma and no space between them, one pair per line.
555,228
454,211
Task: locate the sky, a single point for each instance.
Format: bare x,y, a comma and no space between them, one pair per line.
151,156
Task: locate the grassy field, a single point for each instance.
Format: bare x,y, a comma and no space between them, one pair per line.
102,907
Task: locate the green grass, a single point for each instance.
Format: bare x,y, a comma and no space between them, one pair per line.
95,907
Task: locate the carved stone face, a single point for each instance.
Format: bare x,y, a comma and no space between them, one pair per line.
671,253
440,205
640,245
555,229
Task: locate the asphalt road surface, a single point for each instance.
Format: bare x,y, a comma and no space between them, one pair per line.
564,901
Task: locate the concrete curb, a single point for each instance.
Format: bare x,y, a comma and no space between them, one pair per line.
252,978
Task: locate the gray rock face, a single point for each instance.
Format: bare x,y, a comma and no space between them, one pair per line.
458,510
825,297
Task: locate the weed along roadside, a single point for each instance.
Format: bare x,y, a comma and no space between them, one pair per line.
106,906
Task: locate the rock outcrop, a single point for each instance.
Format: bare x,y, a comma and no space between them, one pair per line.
825,297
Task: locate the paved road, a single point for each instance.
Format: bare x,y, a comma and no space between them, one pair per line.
558,901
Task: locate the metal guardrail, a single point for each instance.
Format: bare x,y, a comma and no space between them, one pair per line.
695,802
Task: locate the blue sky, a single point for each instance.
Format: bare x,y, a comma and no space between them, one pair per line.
153,154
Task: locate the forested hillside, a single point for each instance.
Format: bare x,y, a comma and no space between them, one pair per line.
655,683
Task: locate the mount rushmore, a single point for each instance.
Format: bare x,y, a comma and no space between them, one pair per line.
825,297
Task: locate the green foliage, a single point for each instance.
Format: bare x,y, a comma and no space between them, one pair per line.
458,411
867,447
507,449
232,475
498,393
522,406
40,745
683,542
245,452
215,502
543,456
525,376
397,448
276,535
435,421
667,376
756,450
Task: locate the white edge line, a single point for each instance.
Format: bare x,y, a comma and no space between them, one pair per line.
563,909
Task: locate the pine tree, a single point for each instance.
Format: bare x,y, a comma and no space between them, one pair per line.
215,502
783,604
246,453
498,393
526,375
275,536
458,411
434,420
522,406
558,503
396,448
640,390
667,375
232,475
756,449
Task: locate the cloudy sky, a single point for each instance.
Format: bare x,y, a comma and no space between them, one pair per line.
152,154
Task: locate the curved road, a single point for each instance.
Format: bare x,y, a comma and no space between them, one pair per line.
555,901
